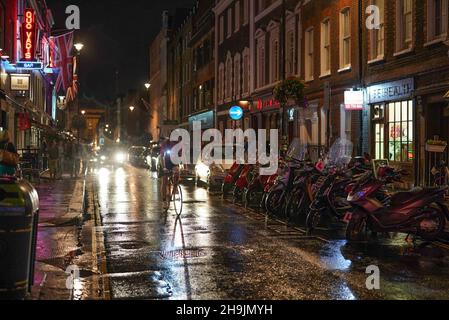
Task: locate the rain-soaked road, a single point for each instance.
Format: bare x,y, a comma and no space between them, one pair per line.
219,251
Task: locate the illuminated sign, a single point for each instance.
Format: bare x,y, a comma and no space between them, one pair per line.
354,100
391,91
29,65
236,113
29,35
20,82
271,103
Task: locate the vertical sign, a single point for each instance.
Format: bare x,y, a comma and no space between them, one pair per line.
29,35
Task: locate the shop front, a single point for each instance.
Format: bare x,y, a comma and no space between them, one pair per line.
393,126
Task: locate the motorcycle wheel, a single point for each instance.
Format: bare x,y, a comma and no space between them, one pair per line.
312,221
273,202
237,195
294,205
437,222
355,229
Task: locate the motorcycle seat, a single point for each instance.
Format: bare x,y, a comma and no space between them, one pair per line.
409,196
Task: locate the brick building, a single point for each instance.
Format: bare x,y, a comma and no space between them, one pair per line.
232,46
203,65
406,78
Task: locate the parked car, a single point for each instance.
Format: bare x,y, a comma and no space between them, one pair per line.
137,157
213,175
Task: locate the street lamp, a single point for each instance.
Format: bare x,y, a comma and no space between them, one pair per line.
132,108
83,112
79,47
148,85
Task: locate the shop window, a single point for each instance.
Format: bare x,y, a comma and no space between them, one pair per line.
393,131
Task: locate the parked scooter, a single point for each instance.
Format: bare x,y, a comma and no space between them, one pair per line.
420,213
277,197
243,182
231,178
253,193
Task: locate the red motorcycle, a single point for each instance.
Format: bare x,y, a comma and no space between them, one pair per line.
253,194
231,178
243,182
422,213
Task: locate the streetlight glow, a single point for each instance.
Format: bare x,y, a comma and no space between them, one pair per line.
132,108
79,46
148,85
83,112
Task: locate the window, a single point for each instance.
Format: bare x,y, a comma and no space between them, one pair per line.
221,83
246,71
393,131
228,75
260,60
345,39
437,11
229,34
290,63
245,11
221,29
237,79
404,24
377,49
237,16
309,55
325,48
274,60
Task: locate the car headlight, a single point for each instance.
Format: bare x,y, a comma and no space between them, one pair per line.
120,157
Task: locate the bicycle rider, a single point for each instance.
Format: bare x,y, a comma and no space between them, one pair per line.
166,169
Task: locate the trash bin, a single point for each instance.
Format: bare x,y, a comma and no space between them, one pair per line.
19,215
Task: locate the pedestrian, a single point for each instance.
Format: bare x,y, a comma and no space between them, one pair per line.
44,154
53,156
61,160
76,159
8,166
69,157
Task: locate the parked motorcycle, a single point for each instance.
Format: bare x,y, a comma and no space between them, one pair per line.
420,212
253,193
243,182
231,178
277,197
330,199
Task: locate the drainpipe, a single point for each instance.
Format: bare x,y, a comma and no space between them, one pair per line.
361,73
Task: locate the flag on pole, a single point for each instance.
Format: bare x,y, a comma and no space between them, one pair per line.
63,60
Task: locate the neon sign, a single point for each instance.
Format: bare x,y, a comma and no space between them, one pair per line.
271,103
29,35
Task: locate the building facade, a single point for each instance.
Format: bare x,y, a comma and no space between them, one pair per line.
29,109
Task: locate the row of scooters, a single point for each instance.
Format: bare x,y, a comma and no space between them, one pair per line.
352,197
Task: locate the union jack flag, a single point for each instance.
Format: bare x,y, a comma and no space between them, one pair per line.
63,60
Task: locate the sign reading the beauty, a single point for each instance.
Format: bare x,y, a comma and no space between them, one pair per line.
29,35
391,91
20,82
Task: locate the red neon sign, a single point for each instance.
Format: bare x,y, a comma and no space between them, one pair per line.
29,35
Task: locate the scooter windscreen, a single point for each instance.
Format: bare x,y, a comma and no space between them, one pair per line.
340,154
297,150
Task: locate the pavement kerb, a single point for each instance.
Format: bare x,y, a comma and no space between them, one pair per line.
98,247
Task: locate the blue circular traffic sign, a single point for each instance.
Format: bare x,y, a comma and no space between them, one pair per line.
236,113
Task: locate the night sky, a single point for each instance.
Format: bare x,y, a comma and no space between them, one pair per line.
116,35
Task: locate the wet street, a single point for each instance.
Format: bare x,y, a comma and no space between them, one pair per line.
220,251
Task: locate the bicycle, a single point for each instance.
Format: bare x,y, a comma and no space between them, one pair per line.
176,195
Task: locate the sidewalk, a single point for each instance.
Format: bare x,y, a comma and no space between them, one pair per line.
64,242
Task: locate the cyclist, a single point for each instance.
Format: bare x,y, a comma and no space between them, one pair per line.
166,170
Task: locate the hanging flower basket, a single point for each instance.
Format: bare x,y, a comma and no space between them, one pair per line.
290,89
436,146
